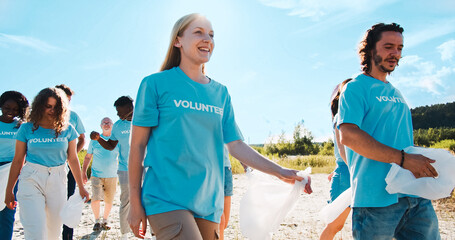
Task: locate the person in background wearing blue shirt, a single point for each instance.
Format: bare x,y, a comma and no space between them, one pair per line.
228,192
74,120
375,125
14,107
184,118
103,175
121,136
340,177
45,142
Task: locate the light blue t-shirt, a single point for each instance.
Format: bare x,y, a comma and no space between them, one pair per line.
380,110
8,140
121,133
105,162
43,147
75,120
190,123
338,159
227,162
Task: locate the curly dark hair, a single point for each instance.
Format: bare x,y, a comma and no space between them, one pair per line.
369,40
21,101
123,101
66,89
61,109
336,97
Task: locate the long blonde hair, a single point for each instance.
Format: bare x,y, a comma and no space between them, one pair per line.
173,57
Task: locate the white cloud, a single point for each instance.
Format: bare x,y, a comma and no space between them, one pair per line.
429,32
425,76
26,41
447,50
316,9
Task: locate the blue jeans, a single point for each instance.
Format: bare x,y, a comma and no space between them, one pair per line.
7,220
228,185
410,218
340,181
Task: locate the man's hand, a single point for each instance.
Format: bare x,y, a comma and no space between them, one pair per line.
419,165
94,135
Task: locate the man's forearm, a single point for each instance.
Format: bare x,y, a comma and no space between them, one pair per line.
362,143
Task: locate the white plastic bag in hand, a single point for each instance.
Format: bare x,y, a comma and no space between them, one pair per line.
72,210
4,174
330,212
267,202
400,180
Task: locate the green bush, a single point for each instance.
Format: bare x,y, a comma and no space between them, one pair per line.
81,156
428,137
301,144
327,148
445,144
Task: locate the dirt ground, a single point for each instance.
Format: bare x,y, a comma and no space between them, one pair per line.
302,223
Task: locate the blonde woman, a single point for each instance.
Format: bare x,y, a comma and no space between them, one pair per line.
184,118
46,141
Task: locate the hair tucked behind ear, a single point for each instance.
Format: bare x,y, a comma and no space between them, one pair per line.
173,57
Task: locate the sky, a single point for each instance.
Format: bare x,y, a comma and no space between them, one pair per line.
280,59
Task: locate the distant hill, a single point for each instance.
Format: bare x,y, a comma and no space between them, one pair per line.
434,116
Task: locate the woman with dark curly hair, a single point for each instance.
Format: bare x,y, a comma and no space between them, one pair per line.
14,107
45,141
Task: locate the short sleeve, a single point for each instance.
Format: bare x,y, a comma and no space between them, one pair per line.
72,134
113,136
90,147
21,134
231,131
79,126
146,110
352,105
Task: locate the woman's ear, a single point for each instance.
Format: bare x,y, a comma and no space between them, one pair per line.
177,43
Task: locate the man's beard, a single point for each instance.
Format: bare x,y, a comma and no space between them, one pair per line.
378,60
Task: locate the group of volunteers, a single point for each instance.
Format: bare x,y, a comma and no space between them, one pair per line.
170,150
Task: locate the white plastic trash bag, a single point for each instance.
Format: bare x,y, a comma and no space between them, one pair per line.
4,174
400,180
267,202
330,212
71,212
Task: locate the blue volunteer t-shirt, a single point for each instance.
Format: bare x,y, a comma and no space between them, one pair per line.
75,120
121,133
43,147
227,162
8,140
104,163
191,123
338,159
380,110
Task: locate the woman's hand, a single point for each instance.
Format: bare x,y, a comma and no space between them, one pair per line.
330,176
137,220
290,176
84,194
9,200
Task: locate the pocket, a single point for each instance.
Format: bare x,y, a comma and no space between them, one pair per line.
169,232
26,172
